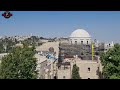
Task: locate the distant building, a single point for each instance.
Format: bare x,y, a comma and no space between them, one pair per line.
19,45
107,46
80,36
88,69
79,51
41,65
46,65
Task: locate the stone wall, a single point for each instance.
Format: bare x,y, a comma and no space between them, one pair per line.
88,69
64,73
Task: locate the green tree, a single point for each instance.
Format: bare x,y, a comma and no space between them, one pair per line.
1,48
8,43
75,72
111,63
33,40
19,64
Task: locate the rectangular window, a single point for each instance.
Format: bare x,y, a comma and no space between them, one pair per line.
89,69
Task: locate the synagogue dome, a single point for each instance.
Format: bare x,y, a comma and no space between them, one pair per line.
80,33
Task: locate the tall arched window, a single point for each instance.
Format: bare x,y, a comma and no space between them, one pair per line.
87,42
76,42
81,42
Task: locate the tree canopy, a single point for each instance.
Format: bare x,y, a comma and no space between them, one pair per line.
75,72
111,63
19,64
33,41
6,45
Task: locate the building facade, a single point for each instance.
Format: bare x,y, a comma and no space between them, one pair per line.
80,36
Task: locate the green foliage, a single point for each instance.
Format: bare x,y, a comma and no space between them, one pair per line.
19,64
75,72
32,41
111,63
8,43
1,48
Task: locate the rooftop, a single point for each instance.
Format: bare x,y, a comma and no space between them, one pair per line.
40,58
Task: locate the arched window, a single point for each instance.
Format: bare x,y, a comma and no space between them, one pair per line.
87,42
76,42
81,42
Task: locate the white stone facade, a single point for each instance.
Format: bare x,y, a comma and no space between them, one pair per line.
80,36
88,69
78,40
107,46
64,73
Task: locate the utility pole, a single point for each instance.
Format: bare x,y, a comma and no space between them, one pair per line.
92,51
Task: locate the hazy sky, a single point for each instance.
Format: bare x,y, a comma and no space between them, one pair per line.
101,25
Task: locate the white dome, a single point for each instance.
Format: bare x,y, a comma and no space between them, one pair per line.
81,33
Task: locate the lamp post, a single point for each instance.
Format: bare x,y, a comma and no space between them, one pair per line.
92,51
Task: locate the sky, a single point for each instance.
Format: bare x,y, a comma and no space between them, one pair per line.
101,25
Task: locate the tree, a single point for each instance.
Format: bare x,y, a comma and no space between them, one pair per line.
19,64
42,38
51,49
33,40
6,45
75,72
111,63
1,48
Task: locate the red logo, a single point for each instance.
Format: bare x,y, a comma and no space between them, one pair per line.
7,14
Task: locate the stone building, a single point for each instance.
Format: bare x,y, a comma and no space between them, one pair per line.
79,51
64,70
80,36
107,46
88,69
41,66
